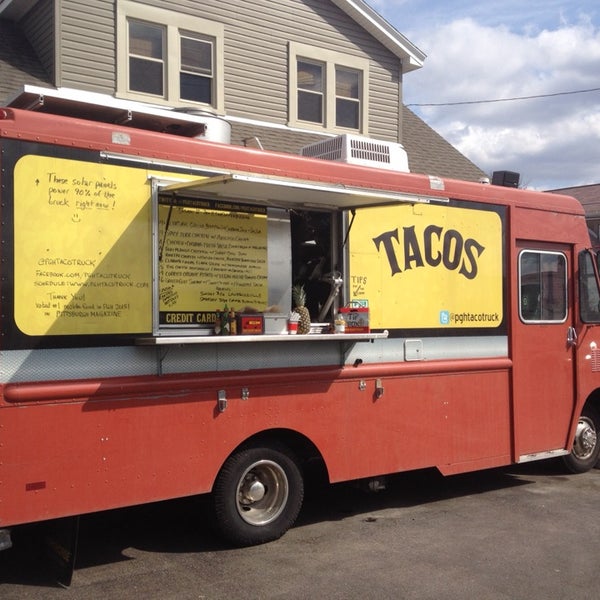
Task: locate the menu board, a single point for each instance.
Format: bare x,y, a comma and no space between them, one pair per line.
82,248
212,254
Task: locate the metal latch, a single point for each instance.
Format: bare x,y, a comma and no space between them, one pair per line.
222,400
378,389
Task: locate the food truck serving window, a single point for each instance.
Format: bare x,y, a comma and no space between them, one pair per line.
231,241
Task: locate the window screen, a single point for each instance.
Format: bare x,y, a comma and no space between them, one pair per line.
310,92
146,58
196,74
347,98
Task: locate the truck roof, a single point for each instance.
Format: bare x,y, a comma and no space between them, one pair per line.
280,169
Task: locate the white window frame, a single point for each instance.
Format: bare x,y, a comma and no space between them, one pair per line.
565,287
330,60
175,24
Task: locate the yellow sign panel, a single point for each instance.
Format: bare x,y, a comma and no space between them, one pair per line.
428,266
83,260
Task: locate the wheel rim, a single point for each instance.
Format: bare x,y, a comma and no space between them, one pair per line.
262,492
586,439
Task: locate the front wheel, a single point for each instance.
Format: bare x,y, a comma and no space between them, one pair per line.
257,495
586,446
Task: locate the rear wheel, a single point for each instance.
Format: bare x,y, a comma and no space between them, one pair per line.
586,446
257,495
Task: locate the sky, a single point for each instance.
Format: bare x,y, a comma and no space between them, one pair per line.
498,50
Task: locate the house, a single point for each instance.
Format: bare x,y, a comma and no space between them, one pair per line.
589,196
283,73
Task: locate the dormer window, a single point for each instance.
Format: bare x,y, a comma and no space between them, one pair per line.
327,90
347,97
310,91
169,58
146,58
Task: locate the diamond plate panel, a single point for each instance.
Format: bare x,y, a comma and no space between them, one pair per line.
75,363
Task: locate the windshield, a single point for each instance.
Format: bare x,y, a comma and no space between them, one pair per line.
589,294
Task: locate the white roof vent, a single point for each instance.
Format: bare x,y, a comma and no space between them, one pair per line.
357,150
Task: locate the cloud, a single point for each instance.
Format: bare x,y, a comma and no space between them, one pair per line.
553,141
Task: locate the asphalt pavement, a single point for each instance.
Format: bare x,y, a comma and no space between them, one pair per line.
525,532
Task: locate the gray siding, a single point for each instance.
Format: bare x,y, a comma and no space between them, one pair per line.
38,27
256,53
87,39
264,43
256,78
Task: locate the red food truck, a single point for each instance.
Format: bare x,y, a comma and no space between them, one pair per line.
146,290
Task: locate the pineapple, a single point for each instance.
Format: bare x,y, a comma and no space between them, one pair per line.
299,299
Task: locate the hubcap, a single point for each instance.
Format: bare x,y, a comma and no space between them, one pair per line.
262,493
255,491
586,439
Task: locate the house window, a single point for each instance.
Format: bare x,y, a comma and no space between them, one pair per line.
169,58
310,92
196,74
347,98
146,58
327,89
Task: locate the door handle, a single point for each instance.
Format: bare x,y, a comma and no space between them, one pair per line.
571,336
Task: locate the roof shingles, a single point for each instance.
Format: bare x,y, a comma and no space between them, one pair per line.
428,152
588,195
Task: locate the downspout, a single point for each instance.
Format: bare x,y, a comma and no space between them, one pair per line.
57,66
400,101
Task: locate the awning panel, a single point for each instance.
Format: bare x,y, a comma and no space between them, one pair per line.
284,192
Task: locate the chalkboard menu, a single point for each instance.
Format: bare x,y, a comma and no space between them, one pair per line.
212,254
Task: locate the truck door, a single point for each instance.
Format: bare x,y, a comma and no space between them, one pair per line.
543,349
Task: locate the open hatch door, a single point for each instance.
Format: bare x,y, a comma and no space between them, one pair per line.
234,239
283,192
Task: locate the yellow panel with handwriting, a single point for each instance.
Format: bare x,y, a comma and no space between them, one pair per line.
83,254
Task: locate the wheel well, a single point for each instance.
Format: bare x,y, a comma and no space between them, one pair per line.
594,400
309,456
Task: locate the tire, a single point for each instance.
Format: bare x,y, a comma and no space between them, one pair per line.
257,495
586,446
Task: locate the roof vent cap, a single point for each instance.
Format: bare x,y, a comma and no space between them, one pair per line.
214,128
